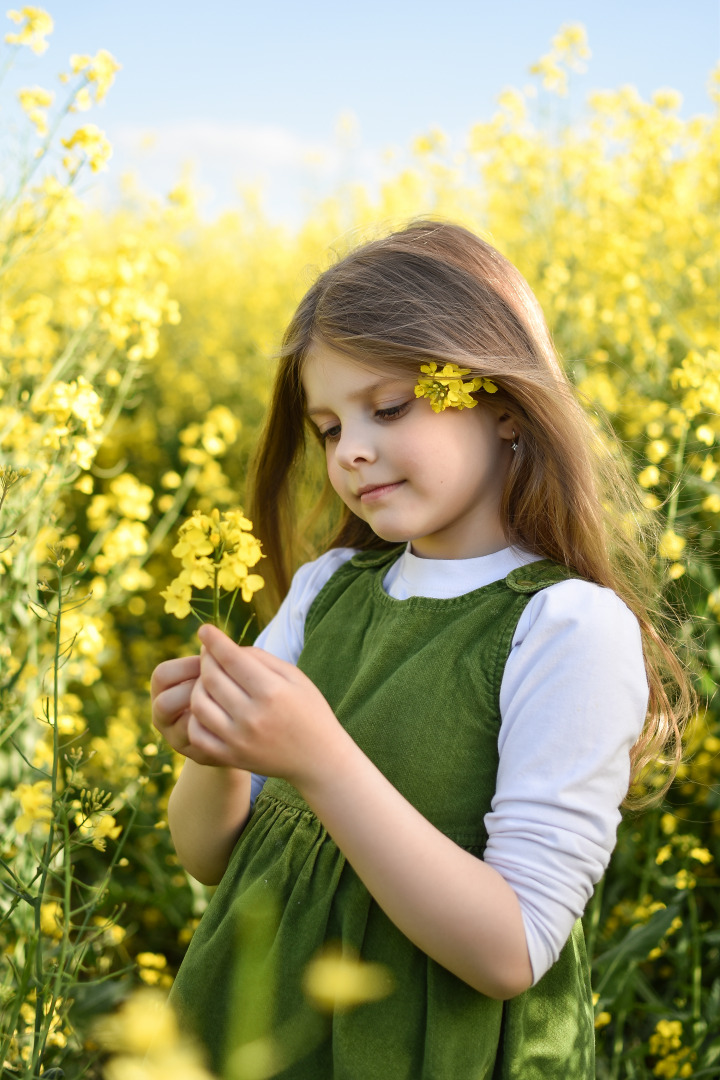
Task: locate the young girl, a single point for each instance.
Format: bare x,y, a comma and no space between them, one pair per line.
449,702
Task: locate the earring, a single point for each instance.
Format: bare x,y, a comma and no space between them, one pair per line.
514,444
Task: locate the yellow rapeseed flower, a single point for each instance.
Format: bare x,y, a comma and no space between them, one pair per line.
93,145
649,476
449,388
177,598
36,25
35,101
51,919
99,70
671,545
216,551
336,980
36,806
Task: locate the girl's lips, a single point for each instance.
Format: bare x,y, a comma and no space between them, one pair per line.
371,494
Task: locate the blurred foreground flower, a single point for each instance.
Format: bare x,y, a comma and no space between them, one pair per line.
145,1037
336,980
217,551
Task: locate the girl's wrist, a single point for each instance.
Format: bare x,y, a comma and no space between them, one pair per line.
329,771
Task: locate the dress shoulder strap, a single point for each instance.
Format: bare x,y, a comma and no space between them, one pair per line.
538,575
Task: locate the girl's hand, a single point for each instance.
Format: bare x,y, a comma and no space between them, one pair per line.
250,710
170,690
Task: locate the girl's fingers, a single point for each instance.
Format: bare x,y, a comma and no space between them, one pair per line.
206,742
211,713
171,703
222,687
252,669
171,672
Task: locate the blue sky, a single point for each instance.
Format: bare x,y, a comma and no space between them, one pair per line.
247,90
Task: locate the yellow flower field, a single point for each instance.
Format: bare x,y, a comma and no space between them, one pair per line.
136,354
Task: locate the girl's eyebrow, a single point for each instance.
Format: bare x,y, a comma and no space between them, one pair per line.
364,391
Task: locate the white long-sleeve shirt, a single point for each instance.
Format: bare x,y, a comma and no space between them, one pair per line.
573,700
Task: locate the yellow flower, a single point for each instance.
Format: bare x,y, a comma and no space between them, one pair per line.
142,1024
98,828
177,598
37,25
133,498
93,144
34,102
666,99
51,919
251,584
553,76
649,476
99,69
685,880
339,980
36,804
216,551
602,1019
446,388
671,545
657,450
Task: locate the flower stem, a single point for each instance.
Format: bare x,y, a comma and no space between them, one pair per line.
47,856
216,599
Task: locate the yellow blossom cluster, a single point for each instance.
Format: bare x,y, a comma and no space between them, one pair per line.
35,102
666,1044
147,1043
449,388
217,551
35,25
90,145
99,73
35,806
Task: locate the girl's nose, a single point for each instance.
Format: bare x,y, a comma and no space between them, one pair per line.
354,447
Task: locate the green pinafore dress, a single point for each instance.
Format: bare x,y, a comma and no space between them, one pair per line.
416,683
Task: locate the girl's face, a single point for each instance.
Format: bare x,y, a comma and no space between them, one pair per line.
435,479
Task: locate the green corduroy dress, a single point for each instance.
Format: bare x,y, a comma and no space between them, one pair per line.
416,683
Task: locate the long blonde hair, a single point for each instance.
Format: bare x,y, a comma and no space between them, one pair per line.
435,291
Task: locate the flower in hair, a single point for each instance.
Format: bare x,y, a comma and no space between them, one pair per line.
449,389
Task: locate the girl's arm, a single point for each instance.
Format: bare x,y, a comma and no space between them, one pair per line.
253,711
451,904
207,811
209,804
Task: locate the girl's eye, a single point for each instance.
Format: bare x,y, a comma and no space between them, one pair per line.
394,411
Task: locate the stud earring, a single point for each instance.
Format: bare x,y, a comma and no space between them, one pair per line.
514,444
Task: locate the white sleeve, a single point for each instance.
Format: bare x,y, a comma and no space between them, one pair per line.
284,634
573,701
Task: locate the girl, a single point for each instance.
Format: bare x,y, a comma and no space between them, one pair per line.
449,703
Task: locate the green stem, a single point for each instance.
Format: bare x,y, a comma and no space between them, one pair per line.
594,919
618,1042
39,1036
649,864
677,465
698,1023
216,599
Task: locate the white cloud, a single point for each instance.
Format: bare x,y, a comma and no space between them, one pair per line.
226,158
243,149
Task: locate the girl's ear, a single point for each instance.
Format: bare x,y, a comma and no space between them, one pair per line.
507,426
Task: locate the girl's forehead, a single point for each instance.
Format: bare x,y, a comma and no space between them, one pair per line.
327,371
